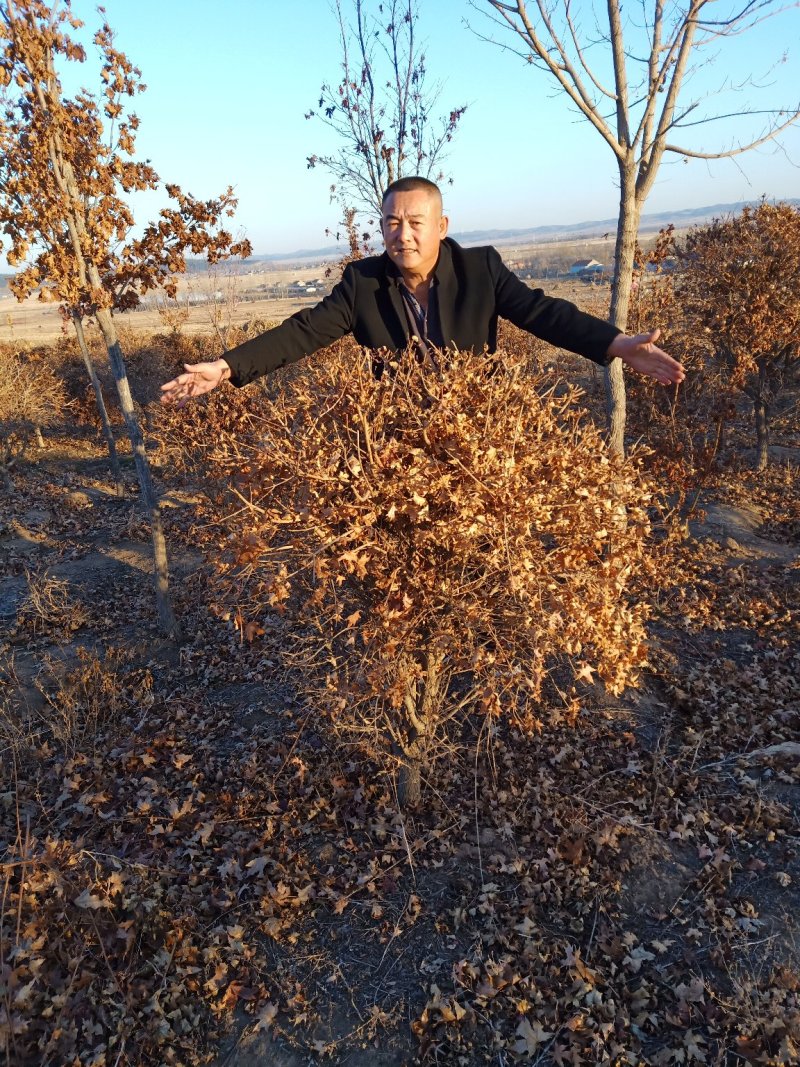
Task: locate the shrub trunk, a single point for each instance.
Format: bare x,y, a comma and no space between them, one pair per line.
409,783
423,705
762,433
761,412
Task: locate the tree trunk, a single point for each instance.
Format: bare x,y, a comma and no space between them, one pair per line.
624,252
409,780
166,616
719,442
761,411
7,482
409,783
101,406
88,272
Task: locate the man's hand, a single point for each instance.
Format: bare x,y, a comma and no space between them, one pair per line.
199,378
641,353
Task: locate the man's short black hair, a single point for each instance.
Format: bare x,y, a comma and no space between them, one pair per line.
410,185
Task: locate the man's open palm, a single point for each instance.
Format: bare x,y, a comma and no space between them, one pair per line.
198,378
642,354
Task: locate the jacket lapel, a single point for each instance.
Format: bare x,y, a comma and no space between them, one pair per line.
390,307
446,293
400,327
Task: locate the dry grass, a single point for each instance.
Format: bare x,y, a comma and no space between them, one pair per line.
31,397
50,608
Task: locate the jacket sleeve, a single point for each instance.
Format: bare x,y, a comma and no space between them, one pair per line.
556,321
299,336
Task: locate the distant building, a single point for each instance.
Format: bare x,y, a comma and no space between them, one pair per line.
581,265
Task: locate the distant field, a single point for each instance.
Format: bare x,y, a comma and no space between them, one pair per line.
236,298
239,297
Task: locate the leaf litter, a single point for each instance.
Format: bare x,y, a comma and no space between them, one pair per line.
621,891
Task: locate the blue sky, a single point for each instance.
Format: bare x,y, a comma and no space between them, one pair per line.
229,83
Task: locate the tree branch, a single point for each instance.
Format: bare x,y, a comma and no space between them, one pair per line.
769,136
579,52
564,73
620,72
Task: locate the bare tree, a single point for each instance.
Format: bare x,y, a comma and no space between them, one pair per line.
382,109
632,96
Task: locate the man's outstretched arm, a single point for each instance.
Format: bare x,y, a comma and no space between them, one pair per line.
564,325
298,336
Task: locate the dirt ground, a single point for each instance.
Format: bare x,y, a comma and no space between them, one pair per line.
41,324
646,859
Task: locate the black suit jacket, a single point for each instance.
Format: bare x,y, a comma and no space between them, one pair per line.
474,287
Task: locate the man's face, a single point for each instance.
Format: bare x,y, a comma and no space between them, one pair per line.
412,227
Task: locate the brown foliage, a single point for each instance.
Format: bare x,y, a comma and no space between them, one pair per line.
740,288
456,532
185,853
741,277
682,424
197,439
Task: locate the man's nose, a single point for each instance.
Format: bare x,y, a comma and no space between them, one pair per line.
404,230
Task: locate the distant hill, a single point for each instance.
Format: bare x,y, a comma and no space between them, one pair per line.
681,219
596,228
554,232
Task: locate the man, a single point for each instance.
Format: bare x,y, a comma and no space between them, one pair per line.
428,289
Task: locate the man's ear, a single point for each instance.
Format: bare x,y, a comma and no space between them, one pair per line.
444,222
